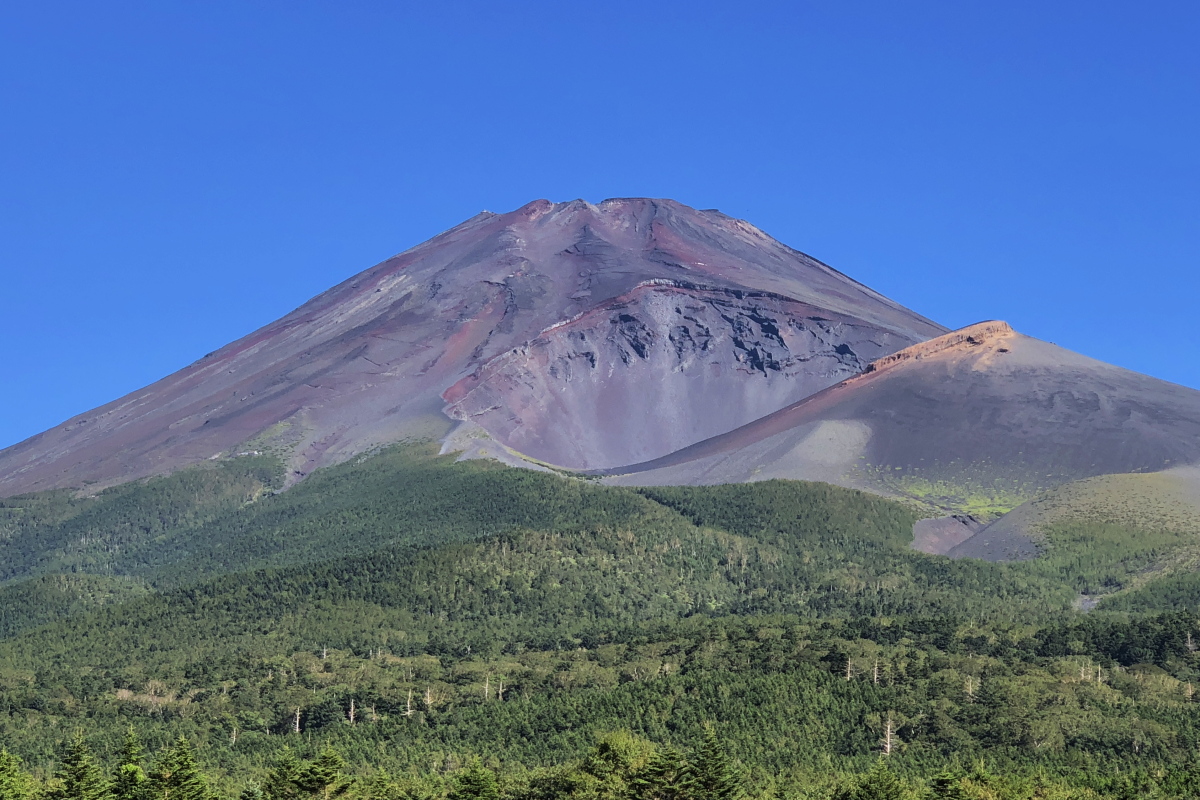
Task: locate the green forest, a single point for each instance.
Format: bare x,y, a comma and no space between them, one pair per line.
405,626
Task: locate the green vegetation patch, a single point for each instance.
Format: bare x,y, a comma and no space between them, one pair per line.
38,601
115,531
415,613
958,487
1152,501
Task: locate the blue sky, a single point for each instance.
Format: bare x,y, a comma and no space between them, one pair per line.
174,175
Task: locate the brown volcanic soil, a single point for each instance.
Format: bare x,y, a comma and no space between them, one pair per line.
503,311
979,413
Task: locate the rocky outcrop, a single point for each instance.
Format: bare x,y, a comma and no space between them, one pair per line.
659,368
963,340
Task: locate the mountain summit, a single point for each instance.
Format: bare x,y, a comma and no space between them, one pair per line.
585,336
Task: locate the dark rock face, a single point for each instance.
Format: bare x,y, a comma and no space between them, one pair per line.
659,368
518,318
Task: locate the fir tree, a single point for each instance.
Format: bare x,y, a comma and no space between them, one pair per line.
880,783
322,778
947,786
614,754
176,775
129,779
716,776
78,775
666,776
476,782
14,783
283,781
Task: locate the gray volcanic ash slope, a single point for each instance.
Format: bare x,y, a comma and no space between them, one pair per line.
587,336
977,421
659,367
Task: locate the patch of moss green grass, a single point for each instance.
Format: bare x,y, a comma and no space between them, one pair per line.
955,488
1115,534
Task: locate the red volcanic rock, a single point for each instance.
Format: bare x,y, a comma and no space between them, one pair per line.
588,335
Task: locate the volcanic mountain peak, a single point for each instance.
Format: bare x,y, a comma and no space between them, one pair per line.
587,335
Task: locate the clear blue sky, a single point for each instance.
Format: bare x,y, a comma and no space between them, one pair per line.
174,175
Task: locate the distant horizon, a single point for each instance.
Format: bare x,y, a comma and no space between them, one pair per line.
177,177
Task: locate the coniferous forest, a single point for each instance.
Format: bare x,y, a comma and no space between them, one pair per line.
403,626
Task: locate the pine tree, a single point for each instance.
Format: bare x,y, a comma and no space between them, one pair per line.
322,778
878,784
129,780
176,775
283,781
607,769
716,776
476,782
947,786
14,783
666,776
78,775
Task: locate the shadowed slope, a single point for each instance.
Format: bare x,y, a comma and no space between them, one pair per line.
366,363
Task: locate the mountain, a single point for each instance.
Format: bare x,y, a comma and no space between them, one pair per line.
586,336
422,609
645,343
977,421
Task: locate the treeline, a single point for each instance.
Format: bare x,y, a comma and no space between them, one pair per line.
620,766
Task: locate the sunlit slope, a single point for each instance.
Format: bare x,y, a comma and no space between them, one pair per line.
979,420
218,519
561,329
1123,532
407,517
119,530
1168,502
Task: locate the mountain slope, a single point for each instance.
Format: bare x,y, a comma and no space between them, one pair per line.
1157,511
978,420
598,296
